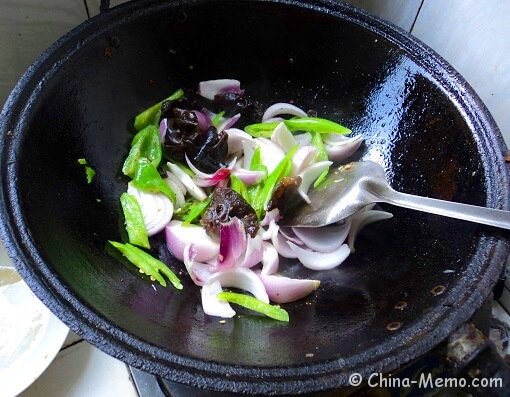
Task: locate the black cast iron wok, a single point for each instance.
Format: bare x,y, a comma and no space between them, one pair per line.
419,118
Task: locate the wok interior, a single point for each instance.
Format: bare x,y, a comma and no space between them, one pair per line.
279,53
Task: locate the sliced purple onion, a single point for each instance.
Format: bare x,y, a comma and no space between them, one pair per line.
283,137
211,304
198,272
281,244
303,139
284,290
178,236
273,215
282,108
218,177
271,154
241,278
249,177
289,234
321,260
232,243
235,140
323,239
204,121
209,89
270,258
208,113
363,218
309,175
186,180
304,157
228,123
343,150
207,180
253,254
163,126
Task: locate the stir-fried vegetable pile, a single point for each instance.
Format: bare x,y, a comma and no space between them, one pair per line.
215,173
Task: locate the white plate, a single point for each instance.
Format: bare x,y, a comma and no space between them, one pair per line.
30,336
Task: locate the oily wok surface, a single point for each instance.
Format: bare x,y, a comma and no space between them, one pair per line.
420,121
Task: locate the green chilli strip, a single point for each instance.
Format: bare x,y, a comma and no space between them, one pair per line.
196,209
239,186
89,171
147,178
146,143
135,224
274,312
256,161
282,170
152,114
217,119
308,124
322,155
152,267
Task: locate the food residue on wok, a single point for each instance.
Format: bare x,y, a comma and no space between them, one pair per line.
215,173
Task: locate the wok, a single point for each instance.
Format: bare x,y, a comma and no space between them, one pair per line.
420,120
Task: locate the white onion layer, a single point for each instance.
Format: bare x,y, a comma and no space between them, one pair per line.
270,259
209,89
273,215
281,244
198,272
228,123
241,278
171,177
282,108
248,177
186,180
323,239
254,252
363,218
157,209
235,140
248,150
270,153
212,305
321,260
334,138
283,137
284,289
303,139
274,120
304,157
309,175
345,149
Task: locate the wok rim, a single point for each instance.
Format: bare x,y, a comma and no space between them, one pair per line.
261,380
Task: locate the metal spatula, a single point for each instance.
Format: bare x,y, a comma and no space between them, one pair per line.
351,187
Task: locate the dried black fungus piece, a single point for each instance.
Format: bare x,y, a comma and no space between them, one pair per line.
190,101
207,150
225,205
284,193
233,103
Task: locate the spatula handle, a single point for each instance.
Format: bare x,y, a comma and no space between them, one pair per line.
471,213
